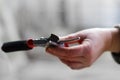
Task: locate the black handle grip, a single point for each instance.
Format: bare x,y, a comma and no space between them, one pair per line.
15,46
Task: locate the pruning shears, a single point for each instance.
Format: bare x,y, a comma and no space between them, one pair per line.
29,44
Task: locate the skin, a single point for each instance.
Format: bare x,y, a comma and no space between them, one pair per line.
93,43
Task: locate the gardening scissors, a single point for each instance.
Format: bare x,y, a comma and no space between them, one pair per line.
29,44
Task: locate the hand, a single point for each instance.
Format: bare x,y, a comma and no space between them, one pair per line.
93,43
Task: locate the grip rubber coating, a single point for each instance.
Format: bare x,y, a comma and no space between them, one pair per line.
15,46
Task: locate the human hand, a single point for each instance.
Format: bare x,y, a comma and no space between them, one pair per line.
93,43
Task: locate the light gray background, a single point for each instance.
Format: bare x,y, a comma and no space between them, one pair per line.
23,19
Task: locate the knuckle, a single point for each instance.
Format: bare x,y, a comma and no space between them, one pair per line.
89,64
69,53
74,68
77,67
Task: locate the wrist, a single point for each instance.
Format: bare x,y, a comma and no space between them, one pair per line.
114,40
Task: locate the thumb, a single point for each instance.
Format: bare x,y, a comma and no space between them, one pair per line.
73,35
77,37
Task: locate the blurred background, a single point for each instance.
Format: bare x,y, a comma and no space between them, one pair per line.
24,19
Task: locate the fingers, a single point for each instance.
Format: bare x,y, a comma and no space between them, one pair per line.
74,51
74,64
74,59
65,51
